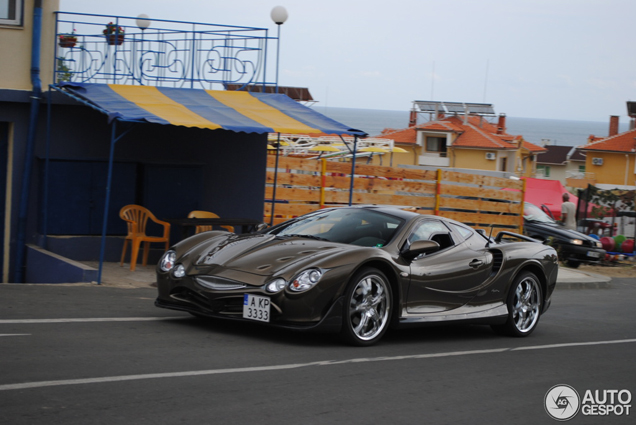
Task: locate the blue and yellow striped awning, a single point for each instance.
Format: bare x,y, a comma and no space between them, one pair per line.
238,111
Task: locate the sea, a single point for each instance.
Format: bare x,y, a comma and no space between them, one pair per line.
534,130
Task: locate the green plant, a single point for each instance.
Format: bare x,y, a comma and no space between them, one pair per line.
63,71
112,29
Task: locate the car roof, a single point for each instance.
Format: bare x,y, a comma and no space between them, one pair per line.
394,210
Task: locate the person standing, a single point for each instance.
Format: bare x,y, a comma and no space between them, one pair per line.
568,212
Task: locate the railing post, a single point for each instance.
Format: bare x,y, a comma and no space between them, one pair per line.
271,220
323,172
438,189
523,200
353,168
193,53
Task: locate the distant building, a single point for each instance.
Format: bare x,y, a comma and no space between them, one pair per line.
560,163
465,141
612,160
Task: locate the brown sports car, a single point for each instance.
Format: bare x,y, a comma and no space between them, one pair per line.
359,271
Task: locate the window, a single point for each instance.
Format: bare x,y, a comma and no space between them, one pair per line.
426,229
11,12
544,169
581,168
436,144
463,231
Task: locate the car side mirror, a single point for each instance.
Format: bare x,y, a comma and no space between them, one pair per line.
420,247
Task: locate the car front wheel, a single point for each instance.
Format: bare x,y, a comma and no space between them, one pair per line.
367,308
524,306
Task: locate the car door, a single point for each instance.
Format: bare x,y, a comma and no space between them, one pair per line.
450,277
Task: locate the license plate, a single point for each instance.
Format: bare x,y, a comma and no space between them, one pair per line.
256,308
593,254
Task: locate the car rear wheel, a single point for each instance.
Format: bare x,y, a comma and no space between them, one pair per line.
524,306
367,308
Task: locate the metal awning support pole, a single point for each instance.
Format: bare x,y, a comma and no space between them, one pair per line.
36,94
113,140
271,219
353,167
45,192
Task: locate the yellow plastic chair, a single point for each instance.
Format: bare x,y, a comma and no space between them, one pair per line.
137,217
207,214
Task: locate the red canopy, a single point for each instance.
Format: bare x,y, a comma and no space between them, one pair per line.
549,193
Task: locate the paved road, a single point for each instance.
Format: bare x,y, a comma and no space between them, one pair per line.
99,355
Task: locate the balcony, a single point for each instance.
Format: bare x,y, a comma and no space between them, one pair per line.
137,51
435,160
579,179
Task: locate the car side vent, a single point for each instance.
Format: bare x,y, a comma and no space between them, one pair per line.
497,260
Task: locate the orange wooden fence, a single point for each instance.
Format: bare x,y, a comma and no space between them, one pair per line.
305,185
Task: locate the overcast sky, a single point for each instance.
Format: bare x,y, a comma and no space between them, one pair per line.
562,59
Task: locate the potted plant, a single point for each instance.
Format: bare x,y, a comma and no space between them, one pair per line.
114,34
67,40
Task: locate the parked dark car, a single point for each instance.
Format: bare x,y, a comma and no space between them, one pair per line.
359,271
574,248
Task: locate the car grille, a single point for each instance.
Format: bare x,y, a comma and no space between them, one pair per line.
218,284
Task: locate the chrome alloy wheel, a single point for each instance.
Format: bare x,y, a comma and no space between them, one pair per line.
369,307
526,304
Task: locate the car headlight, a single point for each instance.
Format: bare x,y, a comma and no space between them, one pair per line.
599,245
179,271
276,285
305,280
576,242
167,261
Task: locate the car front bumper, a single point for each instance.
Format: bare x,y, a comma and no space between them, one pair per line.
581,254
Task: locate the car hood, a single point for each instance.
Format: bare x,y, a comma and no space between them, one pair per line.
262,254
557,230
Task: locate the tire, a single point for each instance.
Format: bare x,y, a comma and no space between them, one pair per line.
524,306
367,308
572,264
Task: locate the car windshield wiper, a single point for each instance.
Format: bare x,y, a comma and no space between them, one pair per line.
318,238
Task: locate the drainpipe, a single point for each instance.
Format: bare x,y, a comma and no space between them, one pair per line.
30,145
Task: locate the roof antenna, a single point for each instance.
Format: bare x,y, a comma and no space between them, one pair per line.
491,229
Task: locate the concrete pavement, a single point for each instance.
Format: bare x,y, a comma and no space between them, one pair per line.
572,278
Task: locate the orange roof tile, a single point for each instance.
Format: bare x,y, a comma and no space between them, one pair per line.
475,133
533,148
623,142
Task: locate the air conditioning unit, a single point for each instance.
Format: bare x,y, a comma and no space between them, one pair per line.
597,161
491,155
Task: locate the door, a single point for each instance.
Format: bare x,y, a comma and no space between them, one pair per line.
450,277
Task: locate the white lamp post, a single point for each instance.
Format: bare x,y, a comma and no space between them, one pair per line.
279,16
143,21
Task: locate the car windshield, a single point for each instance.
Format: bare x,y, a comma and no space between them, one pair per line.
345,225
533,213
